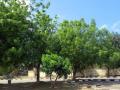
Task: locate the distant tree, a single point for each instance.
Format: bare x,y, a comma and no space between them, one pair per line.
116,47
105,48
116,40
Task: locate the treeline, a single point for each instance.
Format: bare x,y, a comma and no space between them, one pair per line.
29,38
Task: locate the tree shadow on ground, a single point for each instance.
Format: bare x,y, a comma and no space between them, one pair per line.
59,86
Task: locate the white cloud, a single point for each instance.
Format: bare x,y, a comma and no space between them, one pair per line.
116,27
103,26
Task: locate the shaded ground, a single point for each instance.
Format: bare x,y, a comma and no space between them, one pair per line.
64,86
37,86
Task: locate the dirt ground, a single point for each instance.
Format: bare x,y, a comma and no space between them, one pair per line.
63,86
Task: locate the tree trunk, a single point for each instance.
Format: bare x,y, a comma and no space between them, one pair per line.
56,78
82,73
38,72
53,85
50,77
9,81
108,71
51,81
74,73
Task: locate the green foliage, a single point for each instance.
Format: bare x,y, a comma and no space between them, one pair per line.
13,24
115,60
104,45
54,63
77,43
27,32
23,33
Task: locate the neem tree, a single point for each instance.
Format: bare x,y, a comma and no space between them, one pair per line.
76,39
13,23
23,33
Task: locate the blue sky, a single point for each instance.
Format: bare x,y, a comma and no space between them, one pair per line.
105,12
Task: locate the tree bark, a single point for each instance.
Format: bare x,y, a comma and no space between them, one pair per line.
9,81
82,73
53,85
108,71
38,72
56,78
74,73
50,77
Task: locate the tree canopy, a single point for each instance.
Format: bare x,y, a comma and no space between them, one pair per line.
28,34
